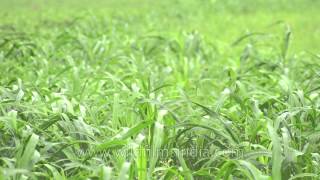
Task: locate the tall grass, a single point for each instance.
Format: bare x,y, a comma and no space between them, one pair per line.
100,97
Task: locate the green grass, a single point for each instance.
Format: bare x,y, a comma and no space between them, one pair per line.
159,90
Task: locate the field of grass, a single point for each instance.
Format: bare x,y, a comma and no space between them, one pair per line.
142,89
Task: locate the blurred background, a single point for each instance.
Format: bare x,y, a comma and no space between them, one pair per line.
219,20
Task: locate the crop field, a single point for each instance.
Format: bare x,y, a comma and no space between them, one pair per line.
171,89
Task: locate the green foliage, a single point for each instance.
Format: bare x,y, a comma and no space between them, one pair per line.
159,90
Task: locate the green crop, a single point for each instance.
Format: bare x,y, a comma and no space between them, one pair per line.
145,89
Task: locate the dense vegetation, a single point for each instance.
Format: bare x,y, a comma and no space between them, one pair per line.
159,90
